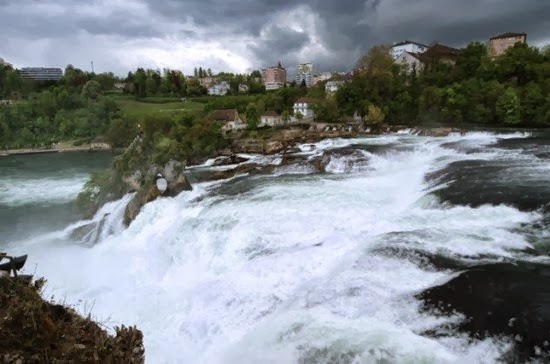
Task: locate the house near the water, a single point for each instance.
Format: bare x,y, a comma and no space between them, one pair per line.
229,118
304,107
271,118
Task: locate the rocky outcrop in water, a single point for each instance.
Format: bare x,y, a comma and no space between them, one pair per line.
229,160
499,300
33,330
174,175
280,141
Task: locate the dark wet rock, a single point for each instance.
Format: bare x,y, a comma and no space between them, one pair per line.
174,178
437,132
133,181
89,233
479,182
145,195
291,150
172,170
349,157
499,300
178,185
426,260
274,147
232,159
246,168
289,159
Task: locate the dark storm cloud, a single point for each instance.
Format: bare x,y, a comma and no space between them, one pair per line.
280,38
329,33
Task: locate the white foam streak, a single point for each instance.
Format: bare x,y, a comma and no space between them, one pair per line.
18,192
292,270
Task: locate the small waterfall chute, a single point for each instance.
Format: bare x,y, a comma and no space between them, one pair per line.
106,222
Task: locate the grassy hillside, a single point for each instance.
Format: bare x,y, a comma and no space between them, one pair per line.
152,105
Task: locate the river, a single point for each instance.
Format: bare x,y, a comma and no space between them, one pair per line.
294,267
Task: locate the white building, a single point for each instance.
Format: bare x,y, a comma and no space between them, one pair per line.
407,46
304,106
229,118
271,118
243,88
220,89
332,87
410,61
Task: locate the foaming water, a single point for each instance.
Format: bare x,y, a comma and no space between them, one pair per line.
49,190
292,269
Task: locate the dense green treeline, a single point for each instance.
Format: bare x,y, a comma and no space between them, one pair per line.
509,90
172,83
40,113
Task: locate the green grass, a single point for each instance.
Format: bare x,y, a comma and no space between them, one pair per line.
138,108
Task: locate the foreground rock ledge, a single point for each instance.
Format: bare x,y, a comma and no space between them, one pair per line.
33,330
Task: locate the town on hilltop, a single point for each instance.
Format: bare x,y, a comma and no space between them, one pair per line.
499,82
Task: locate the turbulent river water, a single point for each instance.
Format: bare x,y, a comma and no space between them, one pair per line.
296,266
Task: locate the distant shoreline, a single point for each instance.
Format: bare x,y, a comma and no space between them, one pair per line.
61,148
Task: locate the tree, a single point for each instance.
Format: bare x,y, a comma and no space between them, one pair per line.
285,116
150,86
327,111
303,84
377,60
299,116
375,115
252,116
470,59
91,90
209,71
533,103
106,80
508,107
140,80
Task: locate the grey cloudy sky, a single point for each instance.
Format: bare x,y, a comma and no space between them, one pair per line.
241,35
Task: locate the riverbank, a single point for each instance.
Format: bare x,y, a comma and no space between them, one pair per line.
61,147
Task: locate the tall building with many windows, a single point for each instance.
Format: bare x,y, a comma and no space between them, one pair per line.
274,77
304,72
41,73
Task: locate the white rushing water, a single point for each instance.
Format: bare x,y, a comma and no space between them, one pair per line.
288,271
18,191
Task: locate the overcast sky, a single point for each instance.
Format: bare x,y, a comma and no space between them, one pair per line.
241,35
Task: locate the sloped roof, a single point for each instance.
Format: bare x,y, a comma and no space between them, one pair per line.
509,35
305,100
224,115
412,54
440,51
270,113
405,42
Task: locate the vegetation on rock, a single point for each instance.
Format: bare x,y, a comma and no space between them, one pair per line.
36,331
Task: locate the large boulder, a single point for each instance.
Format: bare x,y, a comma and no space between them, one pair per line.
174,181
133,181
144,195
499,300
226,161
274,147
178,185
